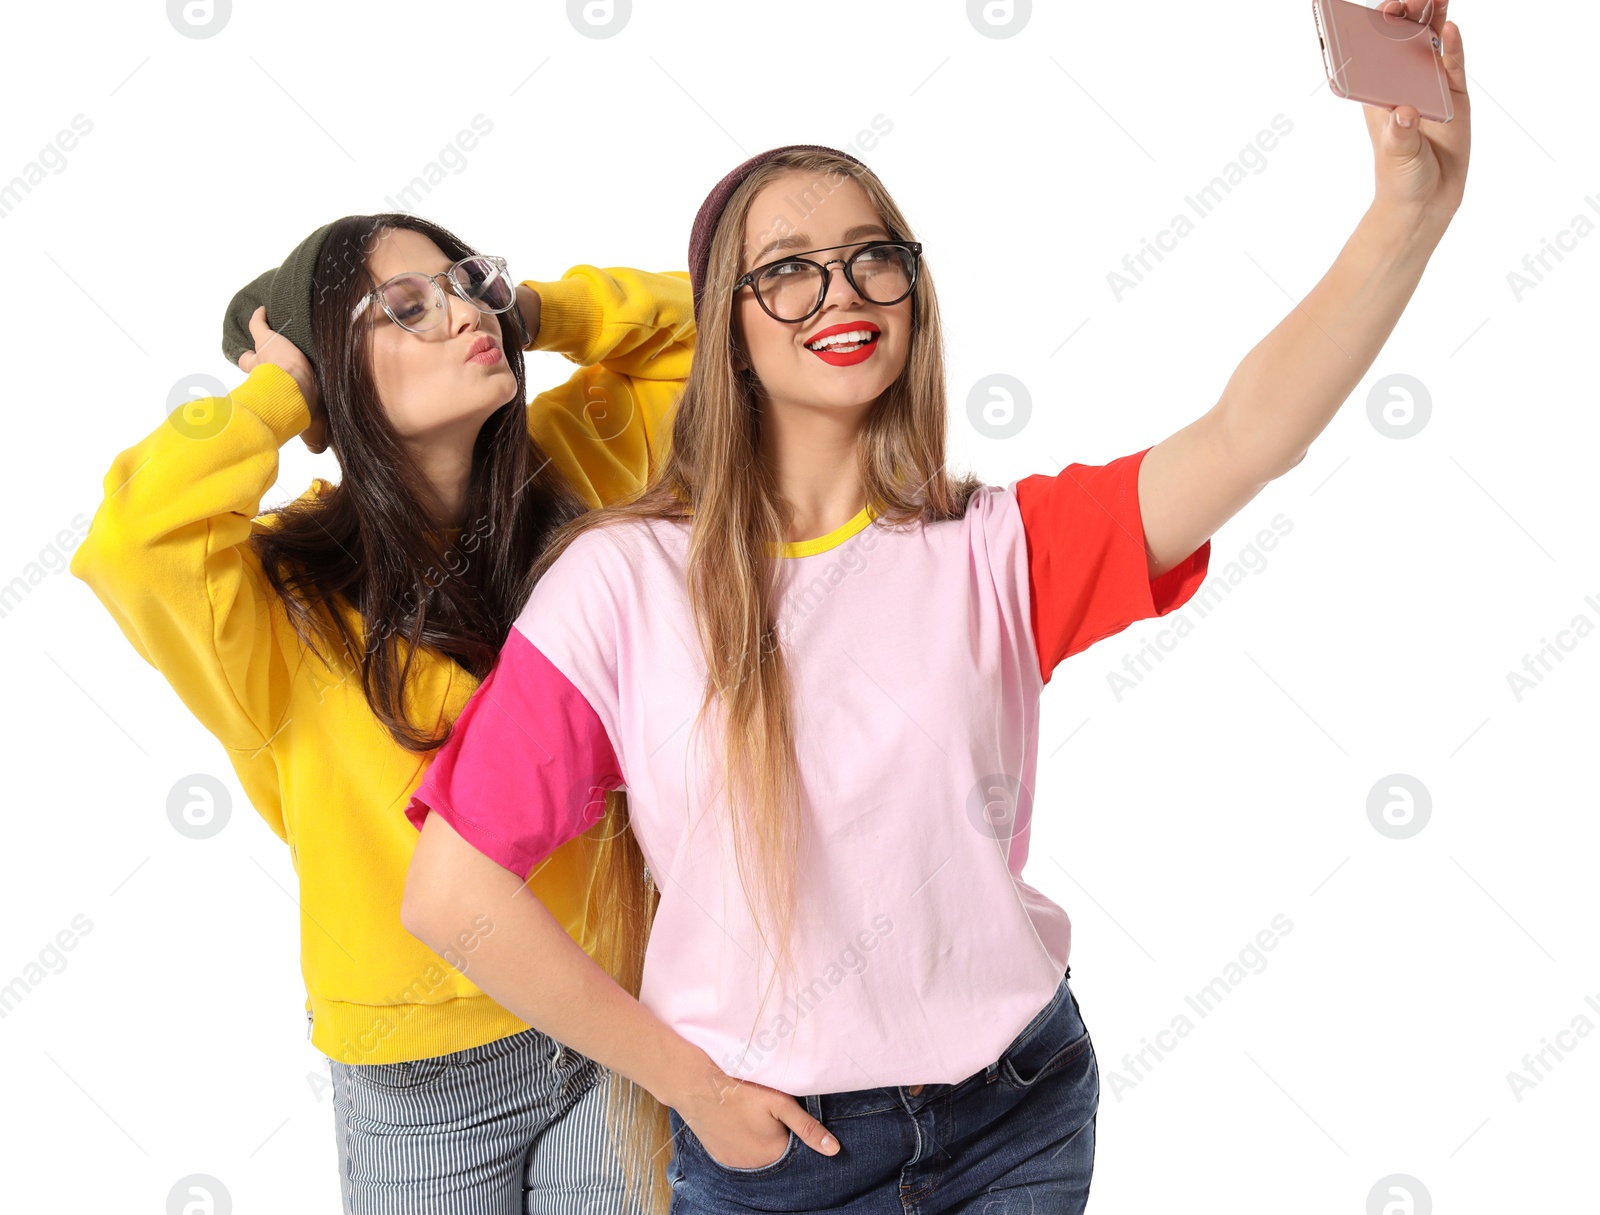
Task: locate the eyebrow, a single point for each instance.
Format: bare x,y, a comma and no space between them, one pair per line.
800,240
378,282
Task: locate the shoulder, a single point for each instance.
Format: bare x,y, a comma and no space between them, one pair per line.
976,511
969,500
602,569
992,512
617,544
987,500
1108,486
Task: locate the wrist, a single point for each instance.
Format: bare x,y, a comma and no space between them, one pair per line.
1403,226
275,395
572,314
529,305
684,1076
307,383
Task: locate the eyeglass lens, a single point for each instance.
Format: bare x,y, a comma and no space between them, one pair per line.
417,302
883,274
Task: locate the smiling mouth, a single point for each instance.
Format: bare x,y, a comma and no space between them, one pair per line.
844,343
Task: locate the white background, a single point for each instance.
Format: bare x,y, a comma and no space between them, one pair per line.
1174,823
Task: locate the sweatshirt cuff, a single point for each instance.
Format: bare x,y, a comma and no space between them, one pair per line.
570,318
272,395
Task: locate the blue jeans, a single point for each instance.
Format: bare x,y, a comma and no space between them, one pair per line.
1016,1138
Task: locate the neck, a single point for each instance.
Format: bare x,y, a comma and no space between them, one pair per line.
812,452
446,463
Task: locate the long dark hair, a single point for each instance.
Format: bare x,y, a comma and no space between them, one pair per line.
360,569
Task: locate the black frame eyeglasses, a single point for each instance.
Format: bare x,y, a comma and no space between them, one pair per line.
825,272
492,270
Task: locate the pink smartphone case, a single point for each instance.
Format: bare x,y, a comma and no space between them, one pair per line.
1382,60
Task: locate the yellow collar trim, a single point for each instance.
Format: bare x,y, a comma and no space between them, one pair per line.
821,544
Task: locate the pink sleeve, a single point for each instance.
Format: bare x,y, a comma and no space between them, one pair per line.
527,765
1088,575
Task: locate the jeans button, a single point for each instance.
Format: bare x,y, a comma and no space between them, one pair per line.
915,1090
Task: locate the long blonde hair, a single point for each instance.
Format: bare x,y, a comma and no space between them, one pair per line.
713,475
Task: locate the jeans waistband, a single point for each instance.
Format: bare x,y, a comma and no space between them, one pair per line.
859,1102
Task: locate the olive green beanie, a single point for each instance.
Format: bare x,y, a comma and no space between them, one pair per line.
287,293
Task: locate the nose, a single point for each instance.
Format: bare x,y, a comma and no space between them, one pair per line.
839,291
464,317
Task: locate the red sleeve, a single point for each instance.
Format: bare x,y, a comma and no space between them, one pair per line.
526,766
1088,576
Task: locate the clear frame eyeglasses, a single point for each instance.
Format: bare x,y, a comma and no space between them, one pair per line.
793,288
416,302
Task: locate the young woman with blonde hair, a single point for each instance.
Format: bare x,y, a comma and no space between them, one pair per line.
812,659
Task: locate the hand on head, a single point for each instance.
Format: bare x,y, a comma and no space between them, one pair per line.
276,349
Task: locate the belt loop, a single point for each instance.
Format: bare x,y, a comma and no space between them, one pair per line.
813,1102
990,1072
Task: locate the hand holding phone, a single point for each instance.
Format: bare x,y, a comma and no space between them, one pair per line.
1383,59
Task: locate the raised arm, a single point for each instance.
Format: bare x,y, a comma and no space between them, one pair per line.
632,332
1288,388
169,556
636,322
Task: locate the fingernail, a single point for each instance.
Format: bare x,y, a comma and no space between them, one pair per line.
1403,121
830,1144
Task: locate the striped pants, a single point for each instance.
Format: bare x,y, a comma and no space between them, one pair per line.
514,1127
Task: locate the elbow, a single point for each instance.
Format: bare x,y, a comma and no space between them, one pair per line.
446,886
1258,453
88,559
420,905
418,917
411,912
82,562
1267,466
110,556
422,919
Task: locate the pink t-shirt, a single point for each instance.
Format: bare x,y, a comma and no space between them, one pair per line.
916,658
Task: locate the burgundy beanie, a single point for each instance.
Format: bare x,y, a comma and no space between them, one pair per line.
705,220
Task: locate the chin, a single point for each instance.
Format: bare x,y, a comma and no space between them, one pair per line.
854,396
500,388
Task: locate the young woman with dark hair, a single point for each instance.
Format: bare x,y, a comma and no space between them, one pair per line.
330,644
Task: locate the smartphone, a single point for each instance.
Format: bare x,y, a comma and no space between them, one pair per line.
1383,60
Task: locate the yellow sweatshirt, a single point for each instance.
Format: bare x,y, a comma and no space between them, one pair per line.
168,555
